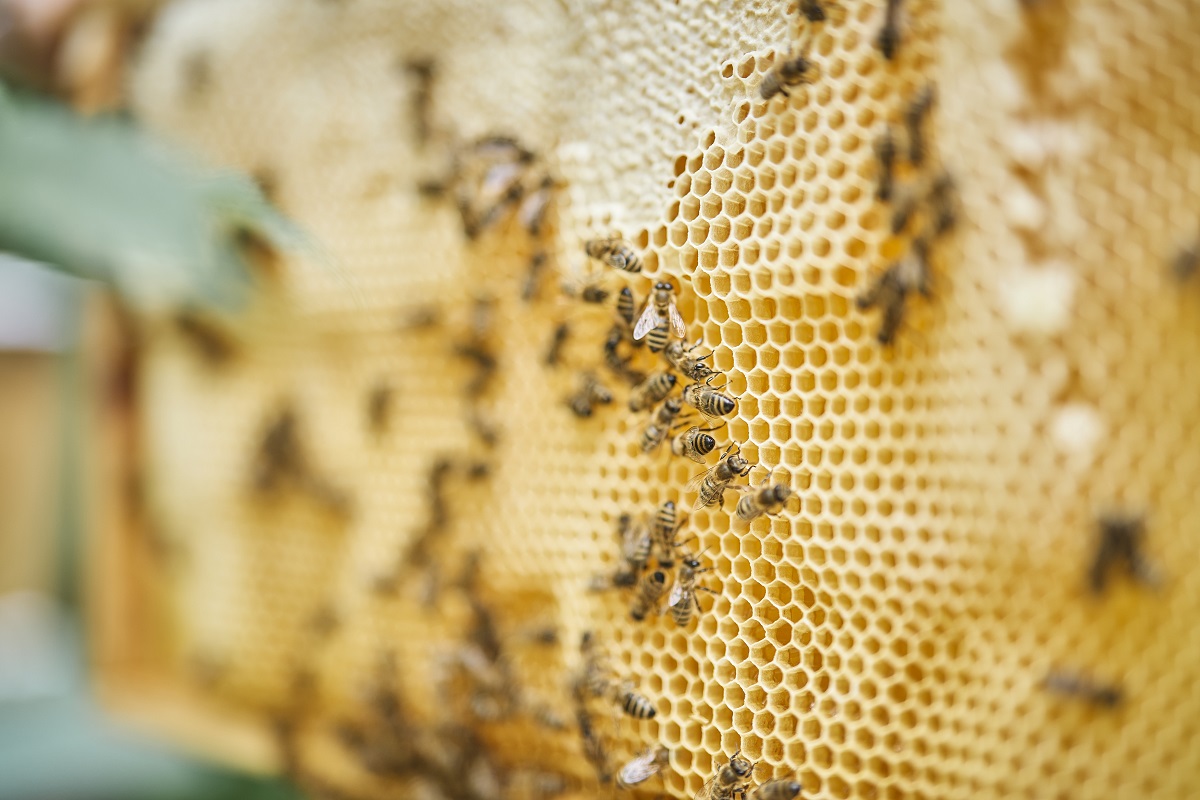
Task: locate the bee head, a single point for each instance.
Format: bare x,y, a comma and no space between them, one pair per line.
664,286
780,493
740,766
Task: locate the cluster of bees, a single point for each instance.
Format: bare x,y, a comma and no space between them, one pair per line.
392,743
660,328
597,679
794,70
282,464
923,211
923,207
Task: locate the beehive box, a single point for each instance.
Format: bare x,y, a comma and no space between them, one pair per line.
887,635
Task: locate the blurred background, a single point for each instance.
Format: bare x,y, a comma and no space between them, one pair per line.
65,136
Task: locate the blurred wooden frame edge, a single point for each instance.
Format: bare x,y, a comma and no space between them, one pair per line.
124,676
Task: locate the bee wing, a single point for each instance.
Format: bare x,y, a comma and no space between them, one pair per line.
677,323
638,770
632,540
647,322
694,483
677,594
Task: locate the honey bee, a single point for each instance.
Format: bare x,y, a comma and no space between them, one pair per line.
591,392
597,681
778,789
707,400
486,431
635,705
502,182
643,767
557,340
678,355
535,207
666,527
885,152
615,252
812,10
904,207
589,291
942,198
618,364
920,256
422,71
635,551
710,486
732,779
537,265
890,292
207,338
436,481
490,180
656,340
1185,262
888,40
914,118
593,746
421,318
267,180
695,443
1120,544
497,148
769,498
660,309
626,308
433,188
645,599
651,390
660,427
279,455
792,71
379,406
682,601
1073,685
636,542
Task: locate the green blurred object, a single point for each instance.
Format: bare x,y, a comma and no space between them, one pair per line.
55,743
100,199
65,749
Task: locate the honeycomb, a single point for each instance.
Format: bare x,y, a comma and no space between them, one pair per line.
888,634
